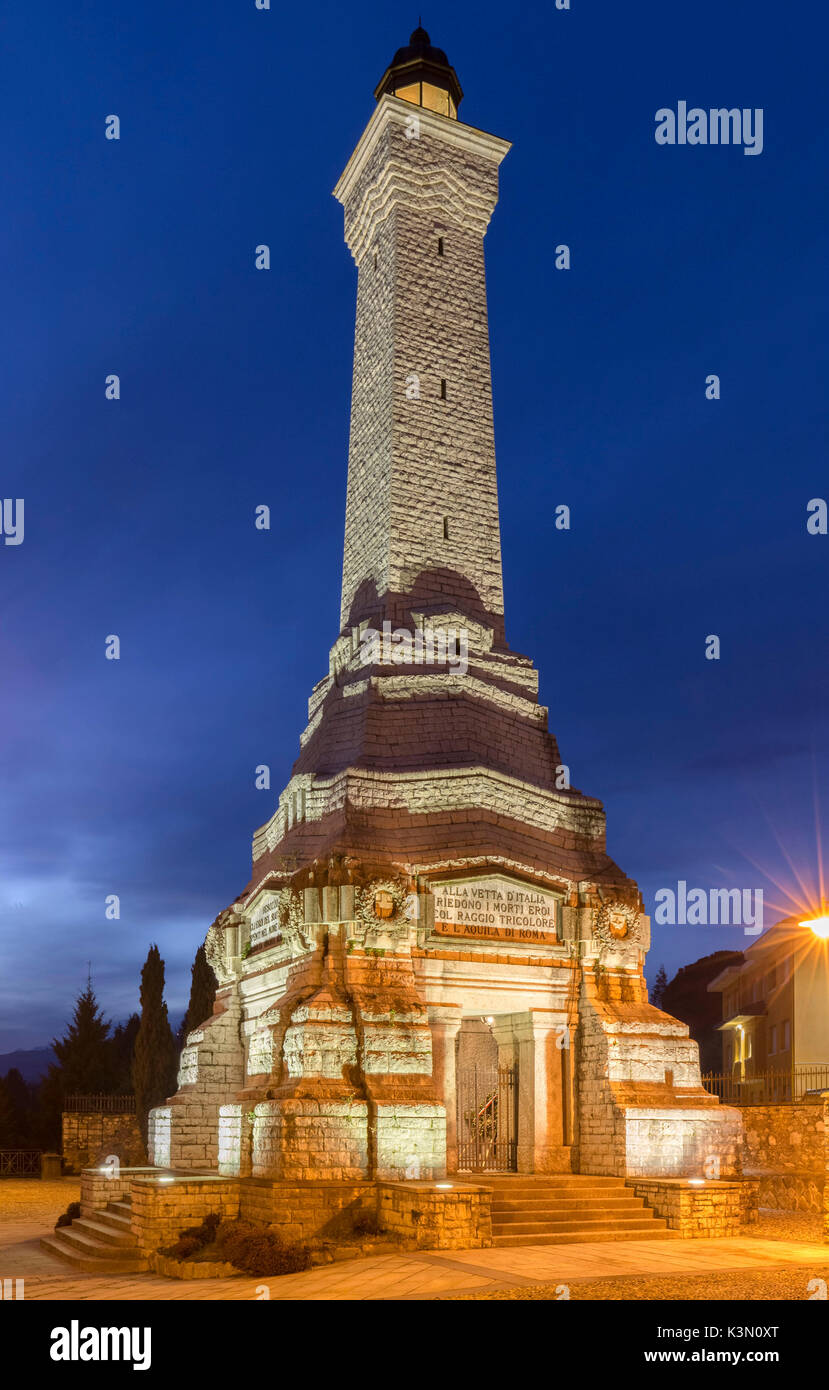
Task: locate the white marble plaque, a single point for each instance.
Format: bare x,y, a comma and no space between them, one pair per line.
495,906
264,921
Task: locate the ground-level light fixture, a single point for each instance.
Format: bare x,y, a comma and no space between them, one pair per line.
443,1184
697,1182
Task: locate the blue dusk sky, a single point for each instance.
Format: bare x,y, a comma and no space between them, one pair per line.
136,777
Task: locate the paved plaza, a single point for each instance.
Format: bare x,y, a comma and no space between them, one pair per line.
29,1208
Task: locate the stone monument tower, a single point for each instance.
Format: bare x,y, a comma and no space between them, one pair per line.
431,898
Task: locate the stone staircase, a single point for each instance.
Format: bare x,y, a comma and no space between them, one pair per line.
99,1244
561,1209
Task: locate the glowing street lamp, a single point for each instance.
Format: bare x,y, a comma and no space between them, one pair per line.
818,925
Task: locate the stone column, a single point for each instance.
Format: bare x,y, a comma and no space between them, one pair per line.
543,1076
444,1023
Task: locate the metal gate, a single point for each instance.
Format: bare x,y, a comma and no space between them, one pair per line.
488,1119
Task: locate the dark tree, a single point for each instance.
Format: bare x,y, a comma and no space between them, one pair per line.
123,1051
155,1059
202,995
10,1135
660,984
19,1107
85,1055
84,1066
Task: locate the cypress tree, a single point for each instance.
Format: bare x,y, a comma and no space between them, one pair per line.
155,1059
123,1050
660,984
202,995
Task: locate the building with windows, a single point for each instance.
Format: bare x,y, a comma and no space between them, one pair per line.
775,1012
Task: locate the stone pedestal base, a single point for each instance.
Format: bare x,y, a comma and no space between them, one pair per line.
427,1215
695,1210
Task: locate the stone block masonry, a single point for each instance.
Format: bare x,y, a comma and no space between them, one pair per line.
308,1211
163,1207
784,1150
88,1138
456,1219
421,1214
710,1210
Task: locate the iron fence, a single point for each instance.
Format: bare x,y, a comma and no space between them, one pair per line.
99,1104
767,1087
20,1163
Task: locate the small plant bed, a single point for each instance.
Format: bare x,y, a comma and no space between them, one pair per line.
217,1249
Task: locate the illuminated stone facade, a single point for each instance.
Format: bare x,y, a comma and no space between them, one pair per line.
429,862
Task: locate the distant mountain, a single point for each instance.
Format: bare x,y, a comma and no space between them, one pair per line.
32,1063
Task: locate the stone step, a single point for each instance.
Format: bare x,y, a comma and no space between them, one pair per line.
123,1207
556,1189
565,1198
575,1211
577,1223
113,1220
558,1194
532,1180
91,1264
97,1229
87,1244
582,1237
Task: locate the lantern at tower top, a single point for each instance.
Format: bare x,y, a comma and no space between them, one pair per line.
423,75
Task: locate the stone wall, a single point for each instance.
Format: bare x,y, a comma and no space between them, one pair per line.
101,1186
784,1137
185,1133
713,1209
161,1209
308,1210
826,1167
88,1139
456,1219
785,1150
642,1107
423,1214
